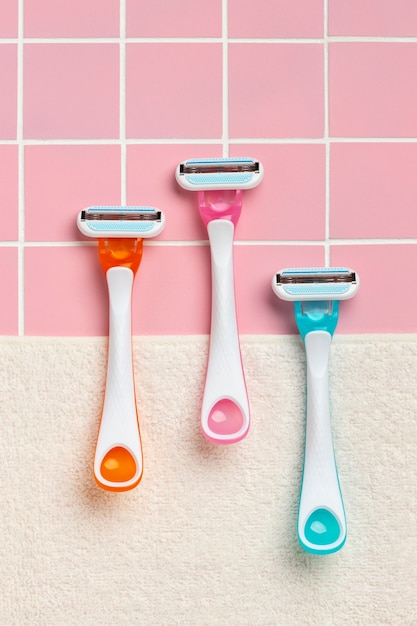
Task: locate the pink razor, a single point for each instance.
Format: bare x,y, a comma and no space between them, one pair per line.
219,183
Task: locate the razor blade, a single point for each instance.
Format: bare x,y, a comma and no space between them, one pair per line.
227,173
121,221
315,283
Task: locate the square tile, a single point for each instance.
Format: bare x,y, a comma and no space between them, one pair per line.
151,180
290,201
78,18
276,90
174,90
276,18
62,180
8,285
371,94
373,190
384,303
71,91
172,295
8,98
176,18
8,193
373,18
8,18
259,311
70,280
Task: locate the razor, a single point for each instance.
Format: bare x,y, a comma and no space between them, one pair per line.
118,459
219,183
316,293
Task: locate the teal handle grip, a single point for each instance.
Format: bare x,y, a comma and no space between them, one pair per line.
321,515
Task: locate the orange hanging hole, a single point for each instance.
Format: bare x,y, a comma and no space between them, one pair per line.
118,466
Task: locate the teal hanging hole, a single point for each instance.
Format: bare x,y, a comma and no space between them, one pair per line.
322,528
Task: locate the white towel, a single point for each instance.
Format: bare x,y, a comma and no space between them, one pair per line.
209,536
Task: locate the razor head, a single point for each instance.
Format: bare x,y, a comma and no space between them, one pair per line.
315,283
227,173
121,221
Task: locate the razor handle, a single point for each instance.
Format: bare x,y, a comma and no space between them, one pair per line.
321,515
118,461
225,408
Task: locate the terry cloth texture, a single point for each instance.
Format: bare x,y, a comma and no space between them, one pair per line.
208,537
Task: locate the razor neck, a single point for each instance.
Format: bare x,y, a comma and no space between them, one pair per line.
316,315
119,252
216,204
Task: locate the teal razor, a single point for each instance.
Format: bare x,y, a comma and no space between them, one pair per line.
316,293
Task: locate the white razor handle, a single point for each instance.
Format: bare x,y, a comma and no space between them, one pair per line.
118,459
225,409
321,515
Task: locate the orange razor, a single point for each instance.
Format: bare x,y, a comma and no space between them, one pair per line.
118,459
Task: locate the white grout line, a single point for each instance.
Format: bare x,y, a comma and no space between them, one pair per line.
21,176
116,40
209,140
346,39
373,139
403,241
108,141
239,242
192,40
329,242
122,106
326,135
225,80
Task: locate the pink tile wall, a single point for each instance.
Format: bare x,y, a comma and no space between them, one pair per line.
9,287
276,18
173,90
71,91
276,91
8,18
100,100
8,97
9,192
176,18
78,18
371,90
376,18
